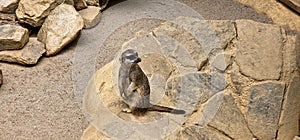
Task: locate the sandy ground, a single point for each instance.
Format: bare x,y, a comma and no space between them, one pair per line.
39,103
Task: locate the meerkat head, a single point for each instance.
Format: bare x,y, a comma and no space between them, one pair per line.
130,56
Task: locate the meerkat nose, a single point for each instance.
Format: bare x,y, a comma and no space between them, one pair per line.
138,60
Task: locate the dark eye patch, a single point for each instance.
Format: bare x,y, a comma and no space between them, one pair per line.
131,57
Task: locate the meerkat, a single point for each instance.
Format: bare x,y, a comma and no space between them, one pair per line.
134,86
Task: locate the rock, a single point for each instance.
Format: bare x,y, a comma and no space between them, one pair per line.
229,119
211,34
92,2
91,133
91,16
259,50
199,133
34,12
194,88
181,45
8,6
60,28
80,4
13,37
264,109
289,120
221,61
29,55
294,4
1,78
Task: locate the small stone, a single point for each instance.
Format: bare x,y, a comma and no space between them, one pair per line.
289,120
91,16
264,109
13,37
259,50
1,78
8,6
34,12
60,28
221,61
80,4
29,55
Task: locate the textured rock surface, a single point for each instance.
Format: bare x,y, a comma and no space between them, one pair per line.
289,122
91,16
199,133
194,88
221,61
91,133
34,12
215,109
13,37
264,109
60,28
259,50
229,119
8,6
29,55
279,13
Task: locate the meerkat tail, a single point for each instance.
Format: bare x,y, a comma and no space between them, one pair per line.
165,109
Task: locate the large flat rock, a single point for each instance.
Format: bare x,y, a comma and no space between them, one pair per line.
264,109
259,50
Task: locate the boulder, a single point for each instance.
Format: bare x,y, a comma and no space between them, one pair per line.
91,16
259,50
13,37
264,108
29,55
60,28
34,12
8,6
